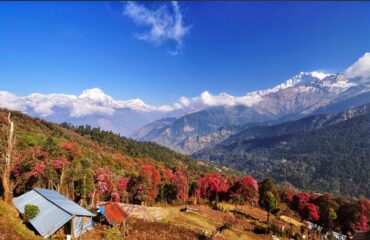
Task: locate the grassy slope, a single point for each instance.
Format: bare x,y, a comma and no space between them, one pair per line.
11,226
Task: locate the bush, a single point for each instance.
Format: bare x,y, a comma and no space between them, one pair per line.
260,230
275,229
30,211
112,234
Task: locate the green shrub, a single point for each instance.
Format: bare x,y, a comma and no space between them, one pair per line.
30,211
275,229
112,234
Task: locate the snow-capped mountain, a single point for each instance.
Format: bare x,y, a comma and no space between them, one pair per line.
200,118
92,107
304,94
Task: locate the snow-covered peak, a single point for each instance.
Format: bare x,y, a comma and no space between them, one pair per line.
96,95
136,104
299,79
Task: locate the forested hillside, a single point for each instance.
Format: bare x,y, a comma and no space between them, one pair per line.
76,160
322,153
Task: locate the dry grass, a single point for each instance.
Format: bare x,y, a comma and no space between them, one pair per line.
290,220
11,226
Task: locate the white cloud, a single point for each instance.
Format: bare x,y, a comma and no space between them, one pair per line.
361,68
206,99
164,24
11,101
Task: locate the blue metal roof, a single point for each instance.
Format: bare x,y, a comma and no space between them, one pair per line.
63,202
55,210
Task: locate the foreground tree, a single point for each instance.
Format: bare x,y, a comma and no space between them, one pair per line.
181,184
269,203
212,186
310,212
244,190
7,164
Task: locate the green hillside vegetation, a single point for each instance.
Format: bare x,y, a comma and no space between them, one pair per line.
60,157
320,153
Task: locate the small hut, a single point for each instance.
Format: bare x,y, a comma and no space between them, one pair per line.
56,212
115,216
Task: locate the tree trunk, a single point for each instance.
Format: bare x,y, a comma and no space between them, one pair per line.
92,203
61,179
7,165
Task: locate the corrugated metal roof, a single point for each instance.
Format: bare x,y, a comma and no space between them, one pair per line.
63,202
114,213
50,217
55,210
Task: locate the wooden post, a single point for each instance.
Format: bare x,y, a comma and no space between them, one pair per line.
7,165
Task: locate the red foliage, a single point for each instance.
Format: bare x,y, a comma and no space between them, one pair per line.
69,147
38,169
103,178
212,185
301,199
152,178
59,163
182,187
364,206
310,212
245,188
122,184
360,222
288,195
115,197
168,174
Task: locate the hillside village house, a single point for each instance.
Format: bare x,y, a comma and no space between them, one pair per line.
56,212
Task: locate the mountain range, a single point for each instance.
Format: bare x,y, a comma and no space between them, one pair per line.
310,131
305,94
194,123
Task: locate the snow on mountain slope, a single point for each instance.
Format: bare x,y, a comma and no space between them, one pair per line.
299,96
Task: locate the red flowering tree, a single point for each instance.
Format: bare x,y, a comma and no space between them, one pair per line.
310,212
245,189
103,180
181,184
115,196
151,180
70,148
168,174
300,199
359,223
212,186
121,186
364,206
37,170
288,195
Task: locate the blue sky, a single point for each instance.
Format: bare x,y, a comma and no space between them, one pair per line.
232,47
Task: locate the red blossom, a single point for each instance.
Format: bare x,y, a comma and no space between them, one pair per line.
59,163
104,180
212,185
115,197
310,212
169,174
181,183
245,188
69,147
360,223
301,199
38,169
122,184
